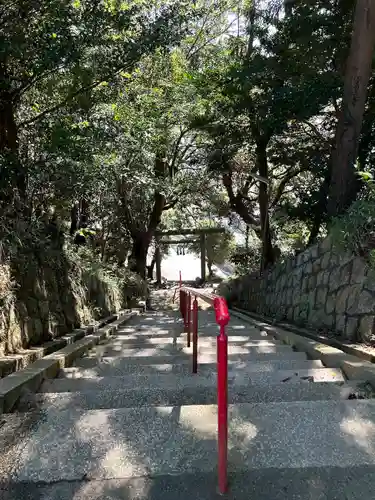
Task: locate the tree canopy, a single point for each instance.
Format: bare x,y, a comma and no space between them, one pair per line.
119,118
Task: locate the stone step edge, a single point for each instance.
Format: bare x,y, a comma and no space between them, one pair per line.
165,381
350,392
93,400
352,366
15,362
354,349
30,378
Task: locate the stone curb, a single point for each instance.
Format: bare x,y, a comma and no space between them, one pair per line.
30,378
350,349
15,362
353,367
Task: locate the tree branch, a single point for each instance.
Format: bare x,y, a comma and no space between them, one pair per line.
175,153
283,183
59,105
236,202
24,88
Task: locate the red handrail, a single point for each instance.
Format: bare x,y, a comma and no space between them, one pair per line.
195,335
188,320
222,319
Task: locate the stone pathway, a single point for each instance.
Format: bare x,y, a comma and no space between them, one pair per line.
130,421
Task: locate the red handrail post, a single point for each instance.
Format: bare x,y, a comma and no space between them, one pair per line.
222,319
188,319
222,408
181,302
195,335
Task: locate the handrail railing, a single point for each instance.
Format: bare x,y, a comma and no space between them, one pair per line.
191,324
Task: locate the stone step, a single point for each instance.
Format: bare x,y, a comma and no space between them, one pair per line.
136,342
151,441
135,397
118,367
314,483
155,329
164,358
170,381
115,350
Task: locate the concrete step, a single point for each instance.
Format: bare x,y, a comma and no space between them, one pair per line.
137,342
169,349
164,358
74,445
120,367
142,326
170,381
315,483
135,397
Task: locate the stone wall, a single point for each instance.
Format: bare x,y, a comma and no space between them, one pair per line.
43,298
320,287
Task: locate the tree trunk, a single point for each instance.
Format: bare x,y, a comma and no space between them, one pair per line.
13,176
150,269
138,256
344,185
209,265
268,257
142,240
320,208
84,213
237,204
74,217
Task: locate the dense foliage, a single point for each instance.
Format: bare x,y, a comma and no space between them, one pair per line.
115,114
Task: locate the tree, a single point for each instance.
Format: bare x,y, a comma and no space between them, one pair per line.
283,83
58,59
157,147
343,183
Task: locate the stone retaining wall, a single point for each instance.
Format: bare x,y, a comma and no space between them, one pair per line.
320,288
42,299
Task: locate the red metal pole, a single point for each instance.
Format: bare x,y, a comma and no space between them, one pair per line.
195,335
181,303
183,306
180,279
188,319
222,408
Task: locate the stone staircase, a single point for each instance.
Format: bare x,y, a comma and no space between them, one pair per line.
131,421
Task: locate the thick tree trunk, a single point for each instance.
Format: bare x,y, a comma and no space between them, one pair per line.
268,257
142,240
344,185
138,256
150,269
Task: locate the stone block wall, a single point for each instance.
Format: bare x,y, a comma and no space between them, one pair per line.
320,287
43,299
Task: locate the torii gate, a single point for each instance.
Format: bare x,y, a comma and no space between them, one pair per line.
181,232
